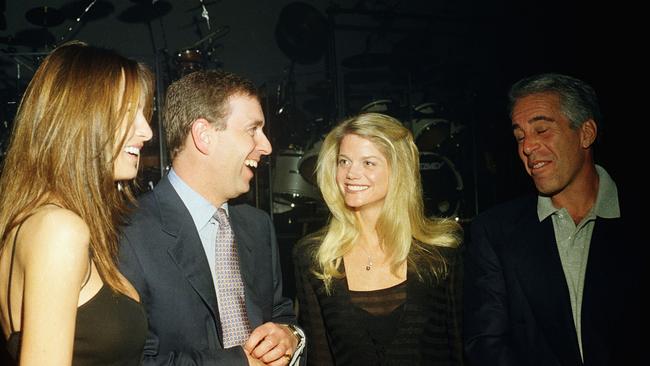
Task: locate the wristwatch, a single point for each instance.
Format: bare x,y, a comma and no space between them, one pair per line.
295,332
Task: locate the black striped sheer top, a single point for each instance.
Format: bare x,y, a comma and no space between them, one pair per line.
416,322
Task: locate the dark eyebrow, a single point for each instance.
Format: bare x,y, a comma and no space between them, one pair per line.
533,120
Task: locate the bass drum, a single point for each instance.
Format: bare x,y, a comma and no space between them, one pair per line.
383,106
430,132
289,187
442,185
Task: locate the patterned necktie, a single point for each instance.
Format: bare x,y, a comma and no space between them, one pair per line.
230,286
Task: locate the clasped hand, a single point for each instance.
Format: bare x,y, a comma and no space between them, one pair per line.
270,344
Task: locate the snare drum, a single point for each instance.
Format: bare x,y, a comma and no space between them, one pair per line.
288,185
442,185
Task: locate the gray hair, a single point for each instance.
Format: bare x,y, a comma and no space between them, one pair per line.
578,99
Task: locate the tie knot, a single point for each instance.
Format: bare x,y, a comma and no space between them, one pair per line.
221,216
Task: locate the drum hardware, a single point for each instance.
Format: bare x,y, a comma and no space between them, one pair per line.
205,14
197,56
84,10
212,36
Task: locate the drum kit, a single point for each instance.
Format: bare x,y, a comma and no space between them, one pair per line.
294,177
25,49
200,54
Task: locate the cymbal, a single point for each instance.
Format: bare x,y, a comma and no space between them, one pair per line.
145,12
366,60
44,16
77,9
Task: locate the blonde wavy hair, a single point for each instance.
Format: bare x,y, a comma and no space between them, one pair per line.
62,146
404,231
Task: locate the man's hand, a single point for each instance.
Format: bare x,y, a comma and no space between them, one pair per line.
252,361
272,343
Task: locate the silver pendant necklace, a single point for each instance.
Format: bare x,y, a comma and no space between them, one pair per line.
368,265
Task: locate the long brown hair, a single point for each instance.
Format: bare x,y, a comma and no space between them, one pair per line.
63,142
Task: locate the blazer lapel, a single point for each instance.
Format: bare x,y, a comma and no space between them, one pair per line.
538,264
185,247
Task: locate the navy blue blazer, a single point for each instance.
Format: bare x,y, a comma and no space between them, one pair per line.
161,254
517,309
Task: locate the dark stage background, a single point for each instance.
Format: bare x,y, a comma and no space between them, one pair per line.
442,67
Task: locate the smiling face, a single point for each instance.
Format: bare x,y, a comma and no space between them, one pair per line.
126,164
239,147
553,153
362,174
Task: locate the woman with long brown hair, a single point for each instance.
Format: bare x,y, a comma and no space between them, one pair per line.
64,187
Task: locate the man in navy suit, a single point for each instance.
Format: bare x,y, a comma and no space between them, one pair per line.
213,123
549,279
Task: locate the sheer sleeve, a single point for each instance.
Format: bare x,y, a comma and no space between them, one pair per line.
309,311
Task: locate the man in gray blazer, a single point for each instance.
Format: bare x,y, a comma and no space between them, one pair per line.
213,122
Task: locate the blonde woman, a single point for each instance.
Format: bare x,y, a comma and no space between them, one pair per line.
380,283
75,145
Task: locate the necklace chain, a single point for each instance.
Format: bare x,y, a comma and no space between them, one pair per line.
369,265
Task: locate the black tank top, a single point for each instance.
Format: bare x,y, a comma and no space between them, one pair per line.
110,328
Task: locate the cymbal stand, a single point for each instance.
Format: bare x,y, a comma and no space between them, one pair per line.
76,26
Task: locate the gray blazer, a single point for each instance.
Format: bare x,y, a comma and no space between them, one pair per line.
161,254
